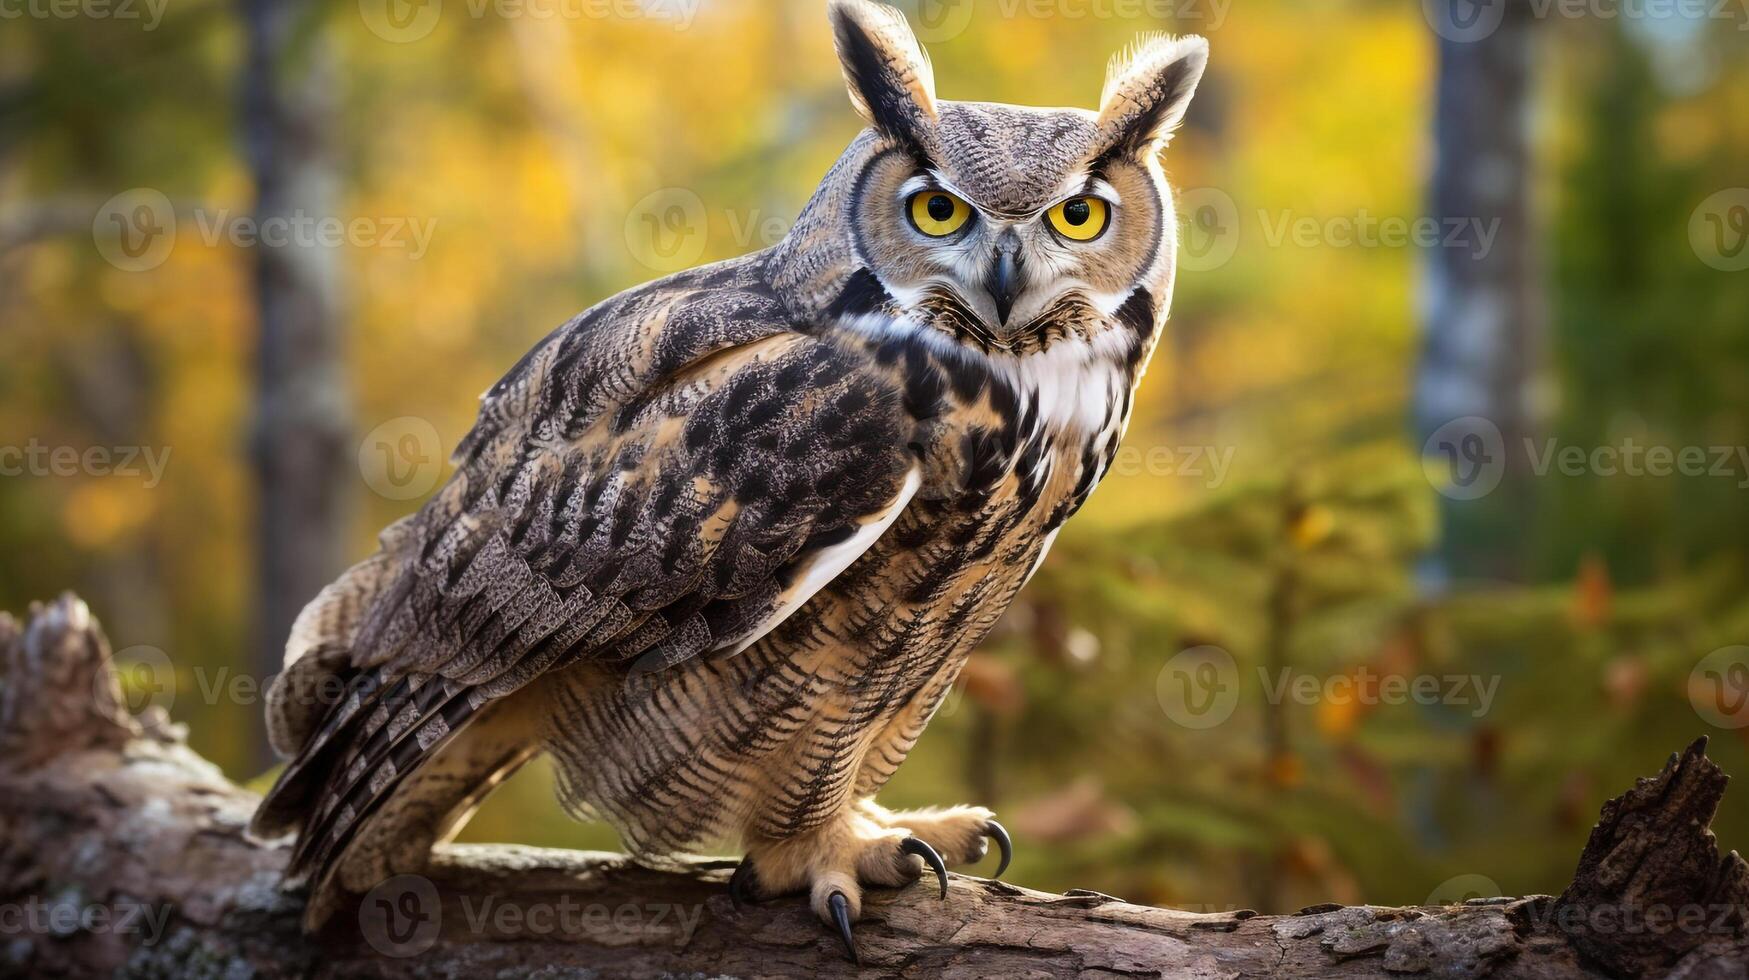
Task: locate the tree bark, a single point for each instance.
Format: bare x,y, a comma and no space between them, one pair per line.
303,411
122,853
1483,327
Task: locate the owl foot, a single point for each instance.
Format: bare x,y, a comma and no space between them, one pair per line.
869,846
833,864
960,834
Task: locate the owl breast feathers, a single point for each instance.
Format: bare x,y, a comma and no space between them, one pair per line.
720,544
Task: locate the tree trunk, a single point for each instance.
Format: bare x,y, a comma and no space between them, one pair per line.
122,853
1483,327
302,419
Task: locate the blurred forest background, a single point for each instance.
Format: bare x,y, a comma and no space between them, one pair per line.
1337,628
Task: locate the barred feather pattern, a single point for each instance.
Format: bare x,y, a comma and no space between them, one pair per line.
651,483
640,495
721,544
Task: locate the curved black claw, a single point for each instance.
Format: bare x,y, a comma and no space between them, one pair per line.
742,884
1004,843
840,907
912,845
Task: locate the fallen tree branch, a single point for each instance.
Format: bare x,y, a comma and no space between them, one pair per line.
122,853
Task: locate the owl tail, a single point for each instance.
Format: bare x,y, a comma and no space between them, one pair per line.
320,690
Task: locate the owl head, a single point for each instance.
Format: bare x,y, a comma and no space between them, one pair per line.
1000,227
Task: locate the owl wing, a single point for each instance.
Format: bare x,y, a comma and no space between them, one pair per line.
666,477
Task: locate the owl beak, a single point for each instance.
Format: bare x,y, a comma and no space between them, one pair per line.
1005,281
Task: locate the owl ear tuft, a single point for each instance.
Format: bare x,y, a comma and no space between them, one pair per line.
891,83
1147,88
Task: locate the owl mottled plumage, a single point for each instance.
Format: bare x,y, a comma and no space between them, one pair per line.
721,544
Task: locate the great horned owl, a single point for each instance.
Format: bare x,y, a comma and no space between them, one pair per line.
721,543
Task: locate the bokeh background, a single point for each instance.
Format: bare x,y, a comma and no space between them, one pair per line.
1432,533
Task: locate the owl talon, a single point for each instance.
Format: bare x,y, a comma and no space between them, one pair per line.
840,907
743,884
921,848
1004,843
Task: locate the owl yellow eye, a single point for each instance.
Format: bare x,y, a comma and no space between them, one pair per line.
938,213
1080,219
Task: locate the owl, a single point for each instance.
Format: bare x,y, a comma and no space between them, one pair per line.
720,544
